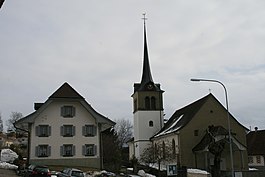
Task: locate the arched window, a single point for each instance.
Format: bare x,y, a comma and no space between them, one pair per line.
151,123
153,103
147,103
164,150
173,148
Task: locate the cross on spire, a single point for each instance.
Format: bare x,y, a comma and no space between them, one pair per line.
144,18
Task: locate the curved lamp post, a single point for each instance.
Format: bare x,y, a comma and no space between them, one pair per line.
228,118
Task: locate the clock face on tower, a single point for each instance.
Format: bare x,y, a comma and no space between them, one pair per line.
150,86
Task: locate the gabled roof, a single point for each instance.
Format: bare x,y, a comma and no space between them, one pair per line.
66,91
216,134
181,117
184,115
256,142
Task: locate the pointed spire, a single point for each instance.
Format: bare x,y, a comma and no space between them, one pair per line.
146,75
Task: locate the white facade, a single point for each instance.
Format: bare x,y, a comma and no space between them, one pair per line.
146,124
65,131
51,117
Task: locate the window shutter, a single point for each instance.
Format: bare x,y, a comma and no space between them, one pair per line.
84,150
49,130
49,151
37,130
84,130
37,151
94,130
62,150
73,111
73,150
62,111
73,130
95,150
62,130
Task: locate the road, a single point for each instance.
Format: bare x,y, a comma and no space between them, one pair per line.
7,173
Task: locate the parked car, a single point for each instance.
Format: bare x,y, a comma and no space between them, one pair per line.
71,172
37,171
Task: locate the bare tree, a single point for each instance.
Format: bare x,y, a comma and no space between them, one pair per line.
157,153
13,118
1,124
123,129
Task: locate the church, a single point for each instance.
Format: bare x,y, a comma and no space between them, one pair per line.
190,133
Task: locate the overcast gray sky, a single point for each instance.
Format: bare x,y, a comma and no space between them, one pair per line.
97,47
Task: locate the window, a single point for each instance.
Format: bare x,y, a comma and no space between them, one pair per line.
67,130
43,151
258,159
147,103
164,150
68,111
89,150
250,159
89,130
196,132
67,150
153,103
43,130
151,123
173,148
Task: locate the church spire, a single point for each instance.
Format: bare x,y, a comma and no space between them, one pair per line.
146,75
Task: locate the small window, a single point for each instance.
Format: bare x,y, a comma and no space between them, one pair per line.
250,159
43,151
43,130
153,103
196,132
258,159
67,150
67,111
89,150
173,148
67,130
147,103
89,130
151,123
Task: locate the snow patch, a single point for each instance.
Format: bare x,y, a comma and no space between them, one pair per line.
8,166
197,171
7,155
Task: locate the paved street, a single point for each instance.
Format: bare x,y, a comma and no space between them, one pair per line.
7,173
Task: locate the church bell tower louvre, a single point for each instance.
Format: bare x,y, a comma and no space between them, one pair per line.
147,105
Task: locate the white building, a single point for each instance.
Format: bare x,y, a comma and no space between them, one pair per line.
65,131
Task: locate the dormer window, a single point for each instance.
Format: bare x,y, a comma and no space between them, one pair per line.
67,111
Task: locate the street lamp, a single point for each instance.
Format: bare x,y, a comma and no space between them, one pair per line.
228,118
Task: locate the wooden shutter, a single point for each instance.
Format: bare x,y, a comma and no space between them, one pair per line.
94,130
49,151
95,150
49,130
37,131
37,151
73,130
62,150
62,131
73,150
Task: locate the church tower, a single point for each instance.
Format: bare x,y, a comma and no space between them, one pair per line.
147,106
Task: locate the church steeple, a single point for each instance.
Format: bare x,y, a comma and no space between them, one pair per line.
147,106
147,83
146,75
